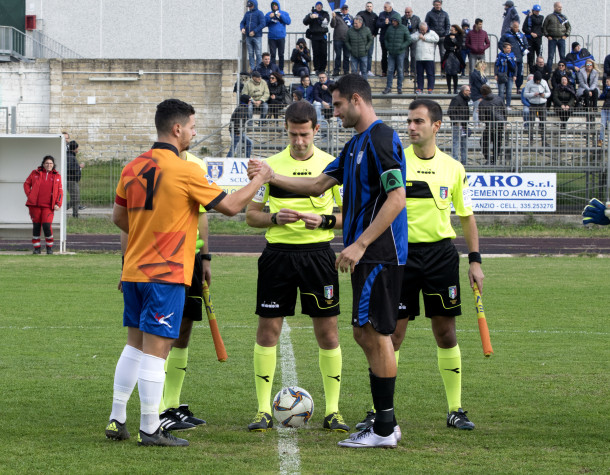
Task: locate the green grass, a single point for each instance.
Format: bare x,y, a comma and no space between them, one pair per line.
540,403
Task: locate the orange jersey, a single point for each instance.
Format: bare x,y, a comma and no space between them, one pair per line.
162,194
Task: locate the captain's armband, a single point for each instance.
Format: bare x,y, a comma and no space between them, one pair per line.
391,180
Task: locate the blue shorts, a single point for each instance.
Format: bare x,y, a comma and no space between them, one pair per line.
154,308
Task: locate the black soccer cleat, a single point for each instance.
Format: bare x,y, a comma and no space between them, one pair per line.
185,415
161,438
261,422
171,421
36,250
49,250
368,421
335,423
116,431
459,420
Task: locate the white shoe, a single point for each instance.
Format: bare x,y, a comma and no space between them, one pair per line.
370,73
367,439
397,433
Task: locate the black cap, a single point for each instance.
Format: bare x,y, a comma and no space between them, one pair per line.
575,44
537,76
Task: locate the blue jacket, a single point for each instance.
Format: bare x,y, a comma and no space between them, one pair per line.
506,64
307,93
254,20
277,26
320,95
518,43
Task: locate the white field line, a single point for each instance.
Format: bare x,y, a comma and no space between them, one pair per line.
287,444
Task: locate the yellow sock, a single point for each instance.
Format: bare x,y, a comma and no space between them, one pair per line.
175,371
264,369
397,355
330,366
450,366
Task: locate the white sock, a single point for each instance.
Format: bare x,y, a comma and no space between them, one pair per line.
125,379
150,386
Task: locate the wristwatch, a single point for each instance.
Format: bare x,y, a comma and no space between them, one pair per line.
206,257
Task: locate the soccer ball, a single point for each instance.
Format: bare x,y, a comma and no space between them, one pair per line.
292,407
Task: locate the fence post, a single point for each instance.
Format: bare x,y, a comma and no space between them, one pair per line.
13,119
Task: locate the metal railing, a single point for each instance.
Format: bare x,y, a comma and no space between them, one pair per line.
600,47
33,45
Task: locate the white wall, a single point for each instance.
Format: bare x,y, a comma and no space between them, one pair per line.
209,29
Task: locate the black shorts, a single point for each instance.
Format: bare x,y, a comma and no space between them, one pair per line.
193,302
376,291
434,269
284,268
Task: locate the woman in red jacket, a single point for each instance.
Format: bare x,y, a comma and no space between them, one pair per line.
45,194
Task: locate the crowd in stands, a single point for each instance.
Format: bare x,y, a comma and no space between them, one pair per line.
408,47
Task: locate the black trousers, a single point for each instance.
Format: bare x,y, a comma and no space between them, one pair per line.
320,55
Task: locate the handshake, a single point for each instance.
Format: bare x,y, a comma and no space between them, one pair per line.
259,168
596,212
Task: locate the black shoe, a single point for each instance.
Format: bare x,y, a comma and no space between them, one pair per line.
82,207
161,438
116,431
49,250
261,422
171,421
459,420
335,423
367,422
399,91
36,250
186,415
387,90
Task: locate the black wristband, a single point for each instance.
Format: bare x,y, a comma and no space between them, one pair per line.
474,257
274,218
122,262
328,221
206,257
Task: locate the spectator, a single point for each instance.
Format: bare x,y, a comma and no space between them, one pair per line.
258,91
605,96
556,28
397,40
466,30
532,27
252,27
300,58
438,21
276,21
73,178
505,69
278,95
537,92
587,88
323,102
341,23
44,196
459,113
369,18
358,41
412,23
560,72
607,67
542,69
383,23
576,59
267,67
491,112
477,80
306,89
518,44
477,43
564,98
237,126
317,22
526,106
452,60
424,55
510,15
297,96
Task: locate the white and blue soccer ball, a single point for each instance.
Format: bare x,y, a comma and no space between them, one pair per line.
293,407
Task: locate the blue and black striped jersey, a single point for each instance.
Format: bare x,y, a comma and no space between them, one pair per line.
359,168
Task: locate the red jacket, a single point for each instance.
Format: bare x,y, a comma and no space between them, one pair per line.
32,186
477,41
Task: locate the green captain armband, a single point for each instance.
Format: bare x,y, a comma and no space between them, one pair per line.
391,180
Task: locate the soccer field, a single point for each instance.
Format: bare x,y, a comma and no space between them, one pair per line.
540,404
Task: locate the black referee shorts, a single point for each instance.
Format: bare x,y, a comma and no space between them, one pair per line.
310,268
193,302
434,269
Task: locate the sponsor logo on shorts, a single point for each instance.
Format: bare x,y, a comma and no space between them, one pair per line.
444,192
162,319
452,292
270,305
328,291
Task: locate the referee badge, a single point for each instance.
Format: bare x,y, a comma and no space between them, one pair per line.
452,292
444,192
328,292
